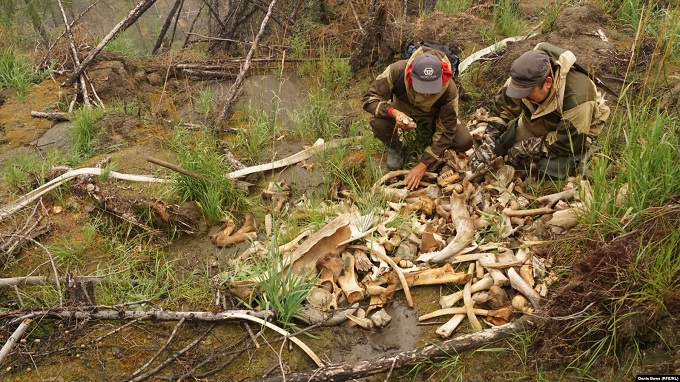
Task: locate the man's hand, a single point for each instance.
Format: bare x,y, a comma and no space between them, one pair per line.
415,175
524,152
403,121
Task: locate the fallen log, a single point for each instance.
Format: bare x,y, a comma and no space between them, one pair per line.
54,116
375,366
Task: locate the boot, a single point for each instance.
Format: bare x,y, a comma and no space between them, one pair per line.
394,159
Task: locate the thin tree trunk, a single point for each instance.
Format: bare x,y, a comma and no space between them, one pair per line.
236,87
166,25
191,28
130,19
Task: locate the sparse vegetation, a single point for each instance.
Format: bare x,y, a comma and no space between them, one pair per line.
16,72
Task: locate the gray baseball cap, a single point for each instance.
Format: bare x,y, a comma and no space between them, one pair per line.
528,71
426,74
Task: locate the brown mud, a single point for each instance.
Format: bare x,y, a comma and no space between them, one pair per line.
130,141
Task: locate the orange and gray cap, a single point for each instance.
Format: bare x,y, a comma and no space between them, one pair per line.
528,71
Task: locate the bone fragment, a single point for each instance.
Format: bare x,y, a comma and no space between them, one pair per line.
464,232
497,298
361,261
317,317
565,219
293,244
450,311
469,303
530,212
437,276
380,319
348,280
552,199
521,286
451,325
365,323
240,237
360,314
394,194
449,300
521,304
383,256
499,278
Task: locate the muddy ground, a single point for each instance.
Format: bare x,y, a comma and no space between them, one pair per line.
131,141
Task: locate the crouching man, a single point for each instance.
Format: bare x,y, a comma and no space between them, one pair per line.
417,94
549,111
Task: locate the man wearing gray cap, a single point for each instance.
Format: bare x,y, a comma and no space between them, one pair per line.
417,94
547,114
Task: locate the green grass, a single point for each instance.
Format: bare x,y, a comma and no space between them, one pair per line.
282,290
316,119
122,45
16,72
506,18
84,133
215,193
453,6
254,144
24,171
203,102
640,153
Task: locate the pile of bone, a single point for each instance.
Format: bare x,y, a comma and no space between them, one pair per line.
475,230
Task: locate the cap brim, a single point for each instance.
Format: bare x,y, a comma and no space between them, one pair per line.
515,92
427,87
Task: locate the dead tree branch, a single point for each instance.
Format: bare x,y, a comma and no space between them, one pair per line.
362,369
130,19
236,87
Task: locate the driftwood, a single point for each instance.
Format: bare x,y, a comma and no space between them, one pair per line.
130,19
7,348
55,116
361,369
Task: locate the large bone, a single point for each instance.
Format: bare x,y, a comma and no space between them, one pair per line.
522,287
499,278
449,300
464,232
376,249
469,303
451,311
451,325
348,280
437,276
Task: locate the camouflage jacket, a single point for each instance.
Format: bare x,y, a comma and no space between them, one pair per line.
569,118
441,109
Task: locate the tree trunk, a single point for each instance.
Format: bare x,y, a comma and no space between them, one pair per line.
130,19
166,25
444,350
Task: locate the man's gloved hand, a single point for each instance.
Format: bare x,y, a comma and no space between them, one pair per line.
484,153
505,140
524,152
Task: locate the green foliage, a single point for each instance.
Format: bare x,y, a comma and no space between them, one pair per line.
330,72
279,288
506,18
16,72
316,119
197,152
254,143
24,171
203,102
122,45
453,6
84,133
657,271
640,158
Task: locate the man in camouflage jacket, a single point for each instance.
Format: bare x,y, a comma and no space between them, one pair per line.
418,93
547,113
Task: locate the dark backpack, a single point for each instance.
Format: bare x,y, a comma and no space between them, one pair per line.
450,52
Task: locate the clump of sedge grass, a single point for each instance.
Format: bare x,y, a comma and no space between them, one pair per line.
215,193
16,72
84,132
